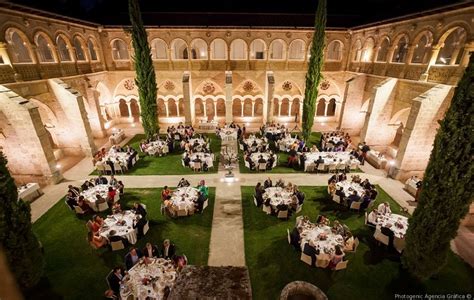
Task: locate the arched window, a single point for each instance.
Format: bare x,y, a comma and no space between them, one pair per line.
331,108
43,47
401,50
321,108
297,49
92,52
63,49
238,50
278,49
218,49
119,50
179,49
422,49
199,49
19,44
453,47
367,50
383,50
159,49
257,49
80,55
334,50
357,51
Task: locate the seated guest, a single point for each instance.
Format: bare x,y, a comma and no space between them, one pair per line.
319,161
294,203
101,180
199,203
300,195
337,257
384,208
270,162
113,181
292,158
96,240
183,183
280,183
373,193
139,223
83,204
372,217
338,228
295,237
115,279
250,161
113,237
352,198
186,160
267,183
120,187
167,249
332,187
96,224
365,201
132,257
323,220
259,194
349,242
179,262
99,199
166,193
139,209
85,186
388,232
342,176
111,196
203,188
261,160
150,251
116,208
74,190
71,200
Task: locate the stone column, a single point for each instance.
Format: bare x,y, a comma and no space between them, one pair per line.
290,106
242,102
326,104
270,89
433,56
4,53
96,117
167,109
215,108
205,108
170,61
228,97
253,107
129,106
188,117
468,48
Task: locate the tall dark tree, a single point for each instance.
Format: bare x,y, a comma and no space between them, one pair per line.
21,247
447,189
313,75
146,78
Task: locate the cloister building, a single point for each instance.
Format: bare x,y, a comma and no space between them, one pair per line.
66,82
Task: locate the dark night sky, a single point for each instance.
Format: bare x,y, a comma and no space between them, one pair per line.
341,13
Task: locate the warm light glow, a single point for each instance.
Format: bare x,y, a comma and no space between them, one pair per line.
133,125
392,162
324,124
442,59
247,124
58,166
107,124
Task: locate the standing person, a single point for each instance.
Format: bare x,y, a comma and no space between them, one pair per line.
419,186
365,149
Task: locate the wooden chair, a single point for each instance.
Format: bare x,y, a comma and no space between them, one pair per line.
146,227
288,235
255,201
118,167
283,214
322,168
103,206
197,166
341,265
100,169
204,205
79,211
332,168
382,238
182,212
354,249
399,244
306,259
267,209
262,167
89,226
298,209
322,260
107,168
355,205
336,198
117,245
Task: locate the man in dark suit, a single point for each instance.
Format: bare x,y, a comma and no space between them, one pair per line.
167,249
319,161
268,183
115,278
200,201
295,238
150,251
132,257
365,148
139,209
74,190
112,237
186,160
101,180
352,198
139,224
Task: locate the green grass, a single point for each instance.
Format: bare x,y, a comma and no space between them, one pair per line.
372,273
76,271
281,167
169,164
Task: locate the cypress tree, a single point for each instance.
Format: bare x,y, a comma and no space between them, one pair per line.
447,189
145,78
313,75
21,247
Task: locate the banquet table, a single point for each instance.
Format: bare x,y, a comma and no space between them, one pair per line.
90,193
160,147
285,143
200,143
335,140
228,134
29,192
410,185
249,141
122,223
205,158
159,274
329,157
321,237
256,156
349,187
274,130
183,199
114,155
397,223
117,137
277,196
376,159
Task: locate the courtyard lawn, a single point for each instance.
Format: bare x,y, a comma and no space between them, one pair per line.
76,271
169,164
372,273
281,167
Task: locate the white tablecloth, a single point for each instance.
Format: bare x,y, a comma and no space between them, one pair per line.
161,272
312,234
273,130
335,140
160,147
410,185
328,157
252,139
127,231
117,137
256,156
398,223
205,158
29,192
348,187
200,143
183,198
90,193
113,155
285,143
277,196
228,133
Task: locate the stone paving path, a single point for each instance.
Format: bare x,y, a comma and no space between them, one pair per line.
227,238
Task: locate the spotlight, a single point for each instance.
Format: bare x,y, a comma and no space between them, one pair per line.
392,162
58,166
133,125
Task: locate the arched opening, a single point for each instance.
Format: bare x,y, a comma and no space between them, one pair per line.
161,108
238,50
92,50
123,107
422,48
367,50
257,49
295,108
199,49
356,51
43,48
80,55
334,50
210,109
63,49
297,49
218,49
198,107
321,108
119,50
159,49
179,49
383,50
236,108
248,107
401,50
181,106
278,50
172,108
258,112
276,107
20,46
135,109
453,47
331,108
285,107
221,108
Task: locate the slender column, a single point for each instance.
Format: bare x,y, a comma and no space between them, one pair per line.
177,107
4,53
253,107
129,105
434,55
269,90
326,104
215,109
167,108
454,55
188,116
468,48
290,106
242,108
228,97
279,107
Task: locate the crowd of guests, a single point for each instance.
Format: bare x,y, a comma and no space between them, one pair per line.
261,160
329,144
241,131
166,250
74,197
336,228
169,206
297,196
102,157
366,198
180,132
277,132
